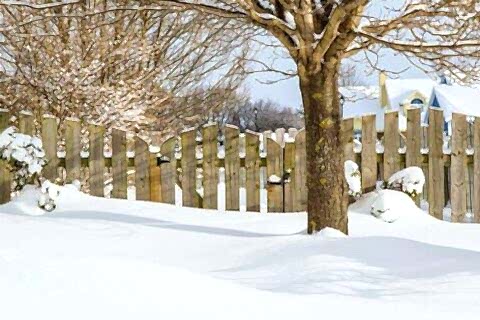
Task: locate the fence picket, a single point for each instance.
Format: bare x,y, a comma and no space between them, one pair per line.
168,171
96,162
301,191
289,170
155,179
190,197
210,169
413,156
73,147
142,170
476,170
391,142
369,155
252,168
49,139
458,185
119,164
5,177
435,164
232,168
274,176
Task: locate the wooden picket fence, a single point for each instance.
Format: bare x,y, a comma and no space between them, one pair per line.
191,160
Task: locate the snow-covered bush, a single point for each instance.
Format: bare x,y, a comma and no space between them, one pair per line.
409,180
389,205
50,193
24,154
354,178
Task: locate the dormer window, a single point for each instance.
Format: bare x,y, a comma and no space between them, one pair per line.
417,102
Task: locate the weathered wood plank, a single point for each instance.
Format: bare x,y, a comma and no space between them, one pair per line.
119,164
414,137
274,176
49,139
25,123
168,170
142,170
458,167
189,169
96,161
155,179
391,157
413,156
435,164
73,146
301,191
252,169
476,170
280,136
369,155
232,168
347,139
289,169
5,177
210,169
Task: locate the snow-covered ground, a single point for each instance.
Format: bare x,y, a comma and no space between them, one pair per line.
114,259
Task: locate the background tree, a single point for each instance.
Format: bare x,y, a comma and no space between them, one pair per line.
130,69
318,35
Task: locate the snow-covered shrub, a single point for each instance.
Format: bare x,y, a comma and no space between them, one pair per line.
409,180
354,178
24,154
50,193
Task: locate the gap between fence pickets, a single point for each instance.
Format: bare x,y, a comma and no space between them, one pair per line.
424,155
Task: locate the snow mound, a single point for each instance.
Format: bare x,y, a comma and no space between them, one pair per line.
330,233
390,205
26,203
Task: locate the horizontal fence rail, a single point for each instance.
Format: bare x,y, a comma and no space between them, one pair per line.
259,171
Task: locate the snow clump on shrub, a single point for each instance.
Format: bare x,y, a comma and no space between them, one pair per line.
24,154
409,180
354,178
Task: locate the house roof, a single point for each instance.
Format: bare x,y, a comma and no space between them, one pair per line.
360,101
398,90
457,99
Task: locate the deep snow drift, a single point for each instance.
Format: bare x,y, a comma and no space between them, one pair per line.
112,259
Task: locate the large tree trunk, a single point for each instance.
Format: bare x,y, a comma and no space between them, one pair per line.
325,179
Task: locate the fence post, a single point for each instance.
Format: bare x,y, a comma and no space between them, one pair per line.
73,147
5,177
274,172
210,169
252,169
96,161
168,171
458,164
232,168
49,139
391,157
369,154
436,173
189,169
301,191
119,164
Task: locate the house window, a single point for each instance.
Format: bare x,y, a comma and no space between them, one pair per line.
417,101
